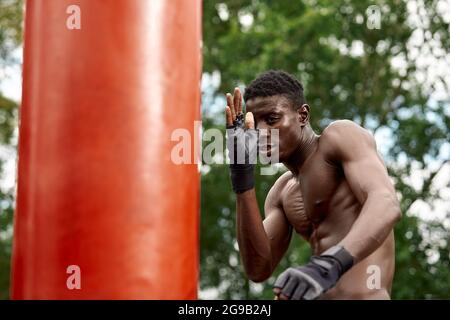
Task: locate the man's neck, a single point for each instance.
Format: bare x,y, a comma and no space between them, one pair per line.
306,147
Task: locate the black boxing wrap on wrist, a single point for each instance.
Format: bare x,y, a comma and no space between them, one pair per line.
242,177
239,139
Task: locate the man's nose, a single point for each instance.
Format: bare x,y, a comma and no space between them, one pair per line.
264,133
262,125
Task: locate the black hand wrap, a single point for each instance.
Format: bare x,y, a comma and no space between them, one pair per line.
316,277
242,147
342,256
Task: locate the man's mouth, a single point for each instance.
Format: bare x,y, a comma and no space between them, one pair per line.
266,147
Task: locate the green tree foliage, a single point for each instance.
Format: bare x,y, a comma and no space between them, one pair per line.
349,71
10,28
10,39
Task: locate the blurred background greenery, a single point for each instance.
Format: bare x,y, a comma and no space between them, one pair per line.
393,80
11,14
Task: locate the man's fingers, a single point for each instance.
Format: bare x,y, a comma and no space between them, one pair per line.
281,280
230,103
289,289
235,103
237,100
228,116
249,121
299,291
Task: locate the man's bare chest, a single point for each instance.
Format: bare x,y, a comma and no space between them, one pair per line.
306,199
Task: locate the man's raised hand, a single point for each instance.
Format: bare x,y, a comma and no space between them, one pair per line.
242,141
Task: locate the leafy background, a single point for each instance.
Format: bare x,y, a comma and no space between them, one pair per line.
393,80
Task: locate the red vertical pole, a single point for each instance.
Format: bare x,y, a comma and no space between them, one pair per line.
96,184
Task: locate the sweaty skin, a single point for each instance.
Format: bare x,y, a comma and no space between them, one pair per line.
336,192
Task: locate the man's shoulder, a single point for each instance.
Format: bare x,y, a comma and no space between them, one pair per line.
275,192
283,179
345,133
342,127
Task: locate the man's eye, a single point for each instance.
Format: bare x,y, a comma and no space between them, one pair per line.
272,119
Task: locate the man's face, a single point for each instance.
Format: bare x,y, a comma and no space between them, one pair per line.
276,112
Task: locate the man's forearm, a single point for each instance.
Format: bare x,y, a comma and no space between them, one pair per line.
378,216
254,245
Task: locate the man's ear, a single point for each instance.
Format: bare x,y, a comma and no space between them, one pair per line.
303,114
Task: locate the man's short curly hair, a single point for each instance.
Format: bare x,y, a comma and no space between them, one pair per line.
276,82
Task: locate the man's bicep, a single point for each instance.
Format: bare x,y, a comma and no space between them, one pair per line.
367,174
355,148
279,233
277,228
